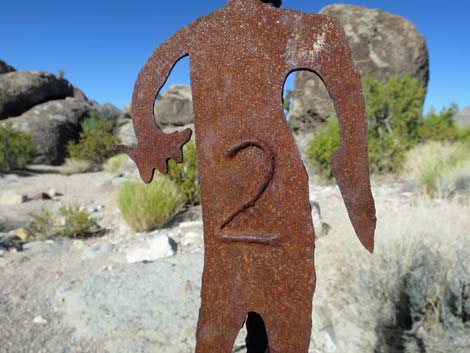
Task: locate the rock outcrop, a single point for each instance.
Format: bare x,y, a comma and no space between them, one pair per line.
5,68
382,44
175,107
22,90
462,119
53,124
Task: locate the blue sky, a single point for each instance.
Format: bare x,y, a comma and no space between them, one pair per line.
102,44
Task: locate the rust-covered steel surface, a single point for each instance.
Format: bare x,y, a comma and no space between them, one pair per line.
258,231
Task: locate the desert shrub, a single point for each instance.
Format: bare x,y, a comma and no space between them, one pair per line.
321,148
78,166
394,115
69,221
439,168
96,140
16,148
147,207
115,163
185,175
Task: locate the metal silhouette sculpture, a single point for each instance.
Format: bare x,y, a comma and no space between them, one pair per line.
258,231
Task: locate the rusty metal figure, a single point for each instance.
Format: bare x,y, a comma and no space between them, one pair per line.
258,231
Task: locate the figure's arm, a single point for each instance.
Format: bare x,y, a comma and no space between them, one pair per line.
154,147
350,162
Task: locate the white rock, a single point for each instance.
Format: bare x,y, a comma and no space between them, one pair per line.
190,224
11,198
158,247
192,241
40,320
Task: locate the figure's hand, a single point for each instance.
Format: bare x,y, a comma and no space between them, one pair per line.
352,177
154,150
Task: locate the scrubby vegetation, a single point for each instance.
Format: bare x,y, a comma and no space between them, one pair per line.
147,207
96,140
69,221
396,124
185,175
440,168
16,148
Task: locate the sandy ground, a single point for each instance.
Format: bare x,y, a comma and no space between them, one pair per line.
33,282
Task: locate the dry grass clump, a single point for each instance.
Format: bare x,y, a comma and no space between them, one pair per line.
405,286
147,207
441,169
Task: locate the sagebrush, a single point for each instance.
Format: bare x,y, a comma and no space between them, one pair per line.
71,221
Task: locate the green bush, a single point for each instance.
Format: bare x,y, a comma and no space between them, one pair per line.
146,207
394,107
441,127
394,115
115,163
439,167
16,148
96,140
70,221
185,175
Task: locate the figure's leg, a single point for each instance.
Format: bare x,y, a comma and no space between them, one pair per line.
289,329
218,327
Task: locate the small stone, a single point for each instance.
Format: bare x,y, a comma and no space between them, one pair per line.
21,233
8,198
156,248
53,193
40,320
41,196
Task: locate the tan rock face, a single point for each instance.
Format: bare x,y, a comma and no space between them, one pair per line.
382,44
175,107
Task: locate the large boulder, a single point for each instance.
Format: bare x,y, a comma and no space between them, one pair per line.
382,45
5,68
110,112
53,124
462,119
175,107
22,90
